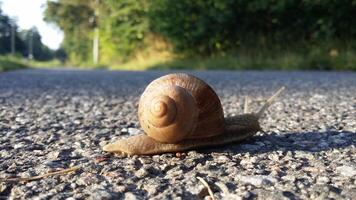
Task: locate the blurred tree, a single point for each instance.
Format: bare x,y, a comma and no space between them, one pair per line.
4,33
39,50
202,26
60,54
124,24
20,40
8,29
76,19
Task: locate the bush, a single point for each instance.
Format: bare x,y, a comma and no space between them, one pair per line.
213,26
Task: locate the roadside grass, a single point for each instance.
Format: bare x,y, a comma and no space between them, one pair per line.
44,64
11,63
157,54
344,60
147,64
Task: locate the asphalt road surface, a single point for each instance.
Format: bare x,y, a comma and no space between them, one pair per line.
52,120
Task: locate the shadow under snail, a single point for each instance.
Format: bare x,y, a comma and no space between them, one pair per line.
180,112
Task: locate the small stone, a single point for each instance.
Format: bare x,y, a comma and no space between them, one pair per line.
151,189
124,130
73,185
223,159
288,194
141,173
120,188
102,194
258,180
144,161
134,131
246,194
53,155
130,196
323,180
103,143
2,187
347,171
19,145
254,160
273,157
5,154
164,167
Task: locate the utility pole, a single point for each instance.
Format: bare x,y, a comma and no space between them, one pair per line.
30,45
13,34
96,33
96,46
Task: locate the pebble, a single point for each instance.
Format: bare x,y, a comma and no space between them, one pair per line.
101,194
348,171
258,180
141,173
130,196
2,187
134,131
323,180
19,145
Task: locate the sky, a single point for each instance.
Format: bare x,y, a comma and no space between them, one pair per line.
29,13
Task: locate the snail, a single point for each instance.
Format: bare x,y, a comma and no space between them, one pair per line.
180,112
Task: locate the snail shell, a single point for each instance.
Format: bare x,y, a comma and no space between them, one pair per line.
179,112
180,106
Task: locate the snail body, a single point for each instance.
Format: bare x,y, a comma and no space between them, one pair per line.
179,112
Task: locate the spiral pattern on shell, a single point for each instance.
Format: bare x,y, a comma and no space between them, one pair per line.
173,107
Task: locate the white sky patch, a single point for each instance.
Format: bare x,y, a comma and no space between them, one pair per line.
29,13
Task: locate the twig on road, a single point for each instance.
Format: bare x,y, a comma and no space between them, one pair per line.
34,178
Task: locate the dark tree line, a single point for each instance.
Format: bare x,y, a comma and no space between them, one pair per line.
26,43
208,26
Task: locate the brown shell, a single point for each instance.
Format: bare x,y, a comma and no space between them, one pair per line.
176,107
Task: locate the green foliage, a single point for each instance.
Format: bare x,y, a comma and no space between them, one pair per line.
212,26
9,62
124,25
199,26
76,18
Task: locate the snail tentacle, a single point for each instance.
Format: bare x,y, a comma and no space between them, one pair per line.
270,101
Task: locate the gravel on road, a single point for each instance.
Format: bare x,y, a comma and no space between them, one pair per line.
52,120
